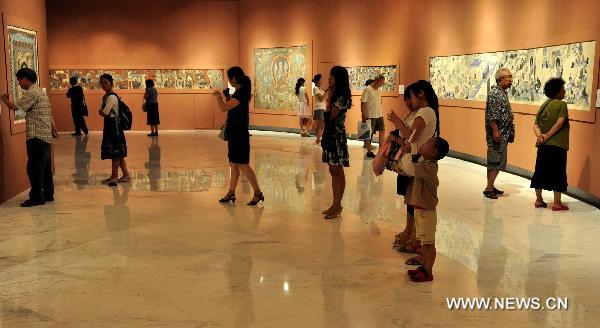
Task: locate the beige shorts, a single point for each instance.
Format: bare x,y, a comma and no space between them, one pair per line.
425,223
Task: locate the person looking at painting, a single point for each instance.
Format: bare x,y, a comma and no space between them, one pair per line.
34,106
334,143
319,106
238,136
78,107
114,145
303,109
499,130
371,109
151,108
551,129
422,120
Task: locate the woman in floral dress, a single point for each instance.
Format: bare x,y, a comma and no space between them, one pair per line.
334,144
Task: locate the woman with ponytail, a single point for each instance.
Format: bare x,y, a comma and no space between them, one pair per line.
238,136
303,109
424,120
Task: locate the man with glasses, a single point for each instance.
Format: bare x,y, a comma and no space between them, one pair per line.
499,128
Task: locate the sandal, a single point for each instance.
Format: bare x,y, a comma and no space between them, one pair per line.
401,239
333,214
109,180
413,272
125,179
542,205
560,208
409,248
421,276
413,261
327,211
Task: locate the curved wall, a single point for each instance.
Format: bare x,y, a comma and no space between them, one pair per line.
379,32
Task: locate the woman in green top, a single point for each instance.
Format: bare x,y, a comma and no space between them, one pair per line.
552,131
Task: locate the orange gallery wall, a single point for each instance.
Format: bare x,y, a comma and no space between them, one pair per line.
409,32
28,14
144,34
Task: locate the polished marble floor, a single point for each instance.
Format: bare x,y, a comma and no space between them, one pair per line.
161,252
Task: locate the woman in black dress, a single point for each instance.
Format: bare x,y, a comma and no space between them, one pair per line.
114,145
151,107
334,144
238,136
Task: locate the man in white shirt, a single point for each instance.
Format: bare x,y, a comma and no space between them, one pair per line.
371,109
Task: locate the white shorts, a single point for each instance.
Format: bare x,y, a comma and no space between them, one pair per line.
425,224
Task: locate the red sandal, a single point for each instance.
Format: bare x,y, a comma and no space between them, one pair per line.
415,271
421,276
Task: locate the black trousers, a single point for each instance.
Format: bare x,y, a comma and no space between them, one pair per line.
39,169
79,121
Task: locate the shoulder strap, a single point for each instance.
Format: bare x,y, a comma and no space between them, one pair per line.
537,117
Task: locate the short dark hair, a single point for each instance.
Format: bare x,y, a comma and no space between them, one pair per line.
235,71
368,82
108,78
553,86
149,83
442,147
73,80
407,92
27,73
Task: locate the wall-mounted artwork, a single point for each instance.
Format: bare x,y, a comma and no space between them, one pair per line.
470,76
135,78
22,52
360,74
276,71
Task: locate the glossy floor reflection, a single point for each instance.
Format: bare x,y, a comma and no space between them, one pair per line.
161,252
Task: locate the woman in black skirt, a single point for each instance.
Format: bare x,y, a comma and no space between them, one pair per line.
238,136
114,145
552,131
151,107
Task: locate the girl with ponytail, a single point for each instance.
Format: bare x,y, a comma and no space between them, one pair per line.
303,109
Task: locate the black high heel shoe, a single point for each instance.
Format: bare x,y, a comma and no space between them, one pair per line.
257,198
229,197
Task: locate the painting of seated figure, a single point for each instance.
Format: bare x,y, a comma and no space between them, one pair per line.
276,71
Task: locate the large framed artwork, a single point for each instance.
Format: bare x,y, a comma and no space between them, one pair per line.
197,79
22,51
469,77
360,74
276,71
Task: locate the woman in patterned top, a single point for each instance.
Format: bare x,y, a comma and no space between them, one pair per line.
335,148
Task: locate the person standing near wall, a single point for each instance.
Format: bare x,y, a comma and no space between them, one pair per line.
334,143
371,109
499,128
35,107
151,107
78,107
303,109
238,136
552,131
319,106
114,145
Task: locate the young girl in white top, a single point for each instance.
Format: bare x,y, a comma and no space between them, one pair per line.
303,109
319,107
114,146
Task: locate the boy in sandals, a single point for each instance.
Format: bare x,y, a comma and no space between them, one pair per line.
422,194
